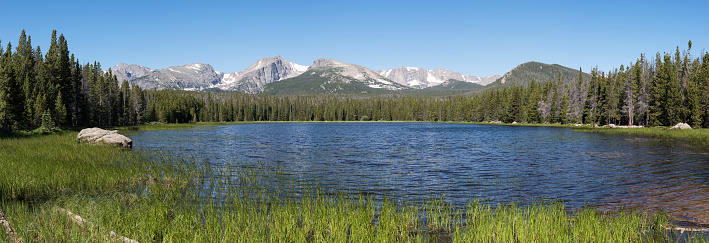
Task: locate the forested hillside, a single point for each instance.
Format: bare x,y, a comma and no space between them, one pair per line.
54,89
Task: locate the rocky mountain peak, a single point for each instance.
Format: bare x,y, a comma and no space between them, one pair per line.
260,73
322,62
128,72
424,78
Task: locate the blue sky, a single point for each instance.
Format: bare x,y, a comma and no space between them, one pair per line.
471,37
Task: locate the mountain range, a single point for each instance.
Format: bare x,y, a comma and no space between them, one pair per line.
325,75
276,75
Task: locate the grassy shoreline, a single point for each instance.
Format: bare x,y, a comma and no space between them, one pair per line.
149,197
699,137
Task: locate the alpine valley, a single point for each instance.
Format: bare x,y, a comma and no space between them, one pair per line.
276,75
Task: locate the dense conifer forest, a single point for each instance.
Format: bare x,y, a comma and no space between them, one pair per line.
54,89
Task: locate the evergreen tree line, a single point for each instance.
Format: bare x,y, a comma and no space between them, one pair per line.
54,89
171,106
661,92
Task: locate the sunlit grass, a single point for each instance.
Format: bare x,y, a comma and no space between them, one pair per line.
45,166
699,137
173,126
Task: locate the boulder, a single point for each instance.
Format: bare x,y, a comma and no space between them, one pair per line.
98,135
681,126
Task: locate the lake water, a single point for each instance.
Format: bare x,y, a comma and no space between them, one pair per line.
416,161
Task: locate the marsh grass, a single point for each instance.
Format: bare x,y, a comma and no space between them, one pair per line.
153,197
42,167
171,126
697,137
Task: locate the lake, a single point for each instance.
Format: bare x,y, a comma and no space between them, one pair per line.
412,162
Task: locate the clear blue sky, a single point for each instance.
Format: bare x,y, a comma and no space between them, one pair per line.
471,37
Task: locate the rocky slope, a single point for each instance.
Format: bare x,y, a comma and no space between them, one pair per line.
129,72
195,76
198,76
255,77
423,78
327,76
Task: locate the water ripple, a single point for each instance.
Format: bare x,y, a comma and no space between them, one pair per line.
415,161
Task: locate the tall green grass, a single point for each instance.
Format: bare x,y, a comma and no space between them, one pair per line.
172,126
153,197
698,137
50,165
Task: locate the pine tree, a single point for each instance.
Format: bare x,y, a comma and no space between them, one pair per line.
533,99
613,97
78,105
642,77
65,82
565,110
47,79
591,104
694,104
11,101
60,112
629,100
47,121
4,76
704,89
673,111
24,61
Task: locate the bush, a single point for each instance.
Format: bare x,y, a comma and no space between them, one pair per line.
47,122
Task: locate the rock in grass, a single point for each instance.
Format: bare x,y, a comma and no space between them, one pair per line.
681,126
98,135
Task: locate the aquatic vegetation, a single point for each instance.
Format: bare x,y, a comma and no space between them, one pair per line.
698,137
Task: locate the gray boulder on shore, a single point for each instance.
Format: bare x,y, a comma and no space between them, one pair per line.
681,126
98,135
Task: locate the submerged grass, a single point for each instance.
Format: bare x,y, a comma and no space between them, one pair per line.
152,197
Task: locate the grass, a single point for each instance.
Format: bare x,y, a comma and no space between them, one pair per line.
172,126
45,166
522,124
153,197
699,137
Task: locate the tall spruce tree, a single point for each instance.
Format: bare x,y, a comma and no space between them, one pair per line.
24,61
12,104
591,104
47,80
65,83
704,89
3,90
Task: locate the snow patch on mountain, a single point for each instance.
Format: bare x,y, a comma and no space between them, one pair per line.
423,78
299,68
340,71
